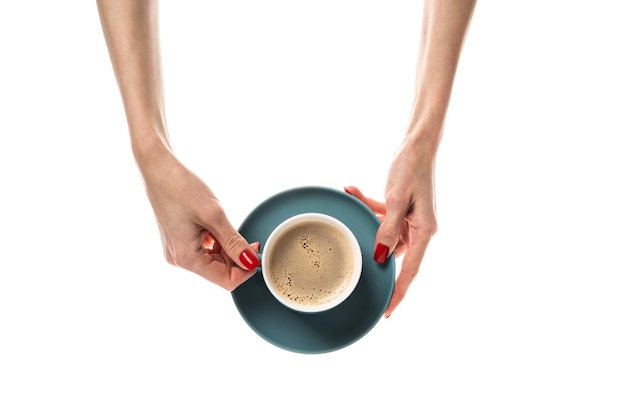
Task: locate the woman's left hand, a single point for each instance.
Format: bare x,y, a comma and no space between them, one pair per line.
407,215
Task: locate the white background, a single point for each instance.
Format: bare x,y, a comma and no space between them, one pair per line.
519,309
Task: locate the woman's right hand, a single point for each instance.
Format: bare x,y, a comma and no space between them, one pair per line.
195,231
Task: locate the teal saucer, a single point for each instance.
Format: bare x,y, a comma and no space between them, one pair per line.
315,333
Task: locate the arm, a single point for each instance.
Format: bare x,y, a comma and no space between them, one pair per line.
131,33
445,24
194,229
409,219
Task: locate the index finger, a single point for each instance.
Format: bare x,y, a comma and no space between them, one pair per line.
376,206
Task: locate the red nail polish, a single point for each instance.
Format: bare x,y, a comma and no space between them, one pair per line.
345,189
381,253
249,260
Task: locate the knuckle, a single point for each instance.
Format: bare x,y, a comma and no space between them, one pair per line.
390,230
231,241
426,225
396,201
178,257
430,228
169,255
170,259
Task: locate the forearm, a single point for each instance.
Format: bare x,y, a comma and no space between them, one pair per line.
131,31
445,23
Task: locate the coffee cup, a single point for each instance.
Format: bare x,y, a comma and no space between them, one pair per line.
311,262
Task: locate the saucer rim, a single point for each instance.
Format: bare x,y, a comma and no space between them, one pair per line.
388,272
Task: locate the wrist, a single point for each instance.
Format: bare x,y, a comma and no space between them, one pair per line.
149,146
422,141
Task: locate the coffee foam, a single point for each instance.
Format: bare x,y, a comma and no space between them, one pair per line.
311,263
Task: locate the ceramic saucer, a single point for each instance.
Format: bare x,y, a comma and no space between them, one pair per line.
336,328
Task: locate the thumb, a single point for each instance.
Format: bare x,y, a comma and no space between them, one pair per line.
388,233
236,247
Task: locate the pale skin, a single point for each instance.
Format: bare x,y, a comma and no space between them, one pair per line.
195,231
409,212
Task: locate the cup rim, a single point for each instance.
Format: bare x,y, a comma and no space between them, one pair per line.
313,217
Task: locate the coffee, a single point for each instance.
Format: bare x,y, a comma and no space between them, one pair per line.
311,263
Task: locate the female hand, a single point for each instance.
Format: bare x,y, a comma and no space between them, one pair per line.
195,231
407,215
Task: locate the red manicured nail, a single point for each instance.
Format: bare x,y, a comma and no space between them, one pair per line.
249,260
345,189
381,253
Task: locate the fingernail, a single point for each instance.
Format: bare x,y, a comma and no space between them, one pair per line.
381,253
249,260
345,189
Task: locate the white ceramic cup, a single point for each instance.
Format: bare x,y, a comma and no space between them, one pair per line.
304,303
